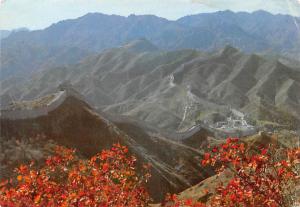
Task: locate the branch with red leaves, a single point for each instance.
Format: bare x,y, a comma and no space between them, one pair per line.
107,179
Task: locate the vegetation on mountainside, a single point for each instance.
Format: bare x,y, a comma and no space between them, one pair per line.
277,118
107,179
262,177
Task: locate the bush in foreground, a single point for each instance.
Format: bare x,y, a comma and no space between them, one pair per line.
265,177
107,179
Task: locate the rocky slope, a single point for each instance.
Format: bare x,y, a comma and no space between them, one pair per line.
206,188
74,124
175,89
69,40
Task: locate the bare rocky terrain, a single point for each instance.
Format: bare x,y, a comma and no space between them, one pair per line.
74,124
155,85
175,89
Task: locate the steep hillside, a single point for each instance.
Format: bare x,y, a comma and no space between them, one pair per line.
282,139
67,120
175,89
258,26
27,51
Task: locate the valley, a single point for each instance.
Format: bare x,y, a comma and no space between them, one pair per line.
171,91
174,90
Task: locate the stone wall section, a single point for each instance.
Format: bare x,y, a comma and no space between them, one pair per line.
59,98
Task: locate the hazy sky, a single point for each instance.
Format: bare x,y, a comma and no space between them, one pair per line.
36,14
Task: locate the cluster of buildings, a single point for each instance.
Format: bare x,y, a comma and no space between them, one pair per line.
235,125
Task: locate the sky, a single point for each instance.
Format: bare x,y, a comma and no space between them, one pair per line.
38,14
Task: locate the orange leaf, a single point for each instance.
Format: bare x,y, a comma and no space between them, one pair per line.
19,177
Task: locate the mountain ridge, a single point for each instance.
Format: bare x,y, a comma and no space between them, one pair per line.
174,89
93,33
74,124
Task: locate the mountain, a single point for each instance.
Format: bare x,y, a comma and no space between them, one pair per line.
140,46
211,184
4,34
175,89
70,40
158,86
260,25
65,118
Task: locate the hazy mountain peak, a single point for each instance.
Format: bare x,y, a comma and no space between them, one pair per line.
98,14
68,41
140,45
4,34
262,12
21,29
145,16
225,12
229,50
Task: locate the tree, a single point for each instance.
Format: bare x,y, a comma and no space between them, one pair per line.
107,179
264,177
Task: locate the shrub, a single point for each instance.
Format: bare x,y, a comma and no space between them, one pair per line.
107,179
265,177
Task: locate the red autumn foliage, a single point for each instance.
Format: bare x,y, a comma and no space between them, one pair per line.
266,177
174,201
107,179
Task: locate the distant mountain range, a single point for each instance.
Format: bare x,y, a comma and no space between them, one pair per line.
174,89
31,129
6,33
152,84
70,40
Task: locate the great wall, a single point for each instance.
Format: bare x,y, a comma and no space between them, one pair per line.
235,126
39,107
